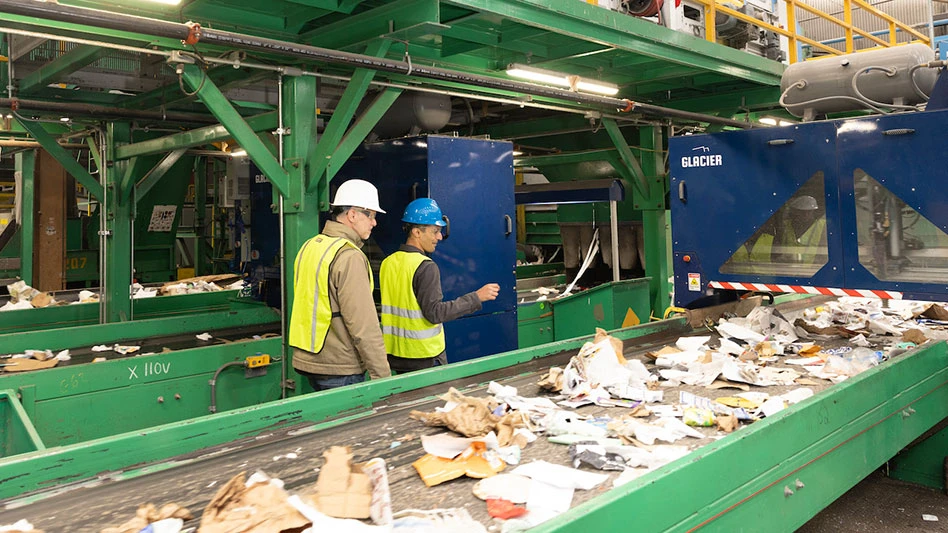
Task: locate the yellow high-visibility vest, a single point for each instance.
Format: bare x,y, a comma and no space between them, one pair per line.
311,316
406,331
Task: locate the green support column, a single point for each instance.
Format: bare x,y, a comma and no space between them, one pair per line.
119,215
25,164
653,217
301,207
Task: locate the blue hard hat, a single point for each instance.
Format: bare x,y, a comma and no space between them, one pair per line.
423,211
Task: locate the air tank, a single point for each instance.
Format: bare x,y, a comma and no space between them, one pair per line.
413,113
883,79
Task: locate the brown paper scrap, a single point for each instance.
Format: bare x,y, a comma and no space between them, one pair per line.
914,335
472,417
552,381
24,365
736,401
664,351
808,381
342,489
435,470
259,508
727,423
616,343
725,384
934,312
41,300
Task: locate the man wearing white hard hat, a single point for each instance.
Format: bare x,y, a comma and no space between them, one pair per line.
334,329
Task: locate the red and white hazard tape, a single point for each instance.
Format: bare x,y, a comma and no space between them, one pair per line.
771,287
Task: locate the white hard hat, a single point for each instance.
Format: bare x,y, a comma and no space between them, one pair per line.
358,193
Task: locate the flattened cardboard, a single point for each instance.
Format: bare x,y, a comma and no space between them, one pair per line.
342,489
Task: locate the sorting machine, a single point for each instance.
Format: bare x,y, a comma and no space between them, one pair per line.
773,474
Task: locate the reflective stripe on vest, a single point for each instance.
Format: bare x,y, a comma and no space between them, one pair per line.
311,315
406,331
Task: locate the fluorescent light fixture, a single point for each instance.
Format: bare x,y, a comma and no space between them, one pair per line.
64,119
559,79
786,123
166,2
769,121
238,153
517,153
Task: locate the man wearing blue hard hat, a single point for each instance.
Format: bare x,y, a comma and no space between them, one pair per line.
412,306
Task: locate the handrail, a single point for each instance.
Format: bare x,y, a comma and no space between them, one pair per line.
712,7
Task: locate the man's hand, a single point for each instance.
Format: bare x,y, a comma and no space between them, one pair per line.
488,292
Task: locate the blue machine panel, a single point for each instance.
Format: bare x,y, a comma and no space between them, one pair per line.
853,204
472,181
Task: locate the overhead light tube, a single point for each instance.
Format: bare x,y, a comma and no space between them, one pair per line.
559,79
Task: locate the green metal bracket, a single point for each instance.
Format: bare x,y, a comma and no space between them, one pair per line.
26,166
65,64
195,137
63,157
18,435
94,151
154,175
345,110
639,181
218,105
126,184
362,127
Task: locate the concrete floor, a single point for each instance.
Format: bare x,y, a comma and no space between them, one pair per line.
883,505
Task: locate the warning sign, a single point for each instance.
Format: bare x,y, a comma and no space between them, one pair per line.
694,282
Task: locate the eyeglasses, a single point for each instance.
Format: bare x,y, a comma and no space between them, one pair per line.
367,212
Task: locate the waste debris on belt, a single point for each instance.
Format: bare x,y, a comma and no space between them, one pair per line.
617,418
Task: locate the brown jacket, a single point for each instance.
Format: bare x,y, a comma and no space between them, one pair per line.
354,343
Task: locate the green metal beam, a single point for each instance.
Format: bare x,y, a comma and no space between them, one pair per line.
154,175
195,137
223,76
591,23
361,129
26,166
116,273
753,99
63,157
63,65
127,181
94,152
369,25
563,159
640,182
218,105
342,115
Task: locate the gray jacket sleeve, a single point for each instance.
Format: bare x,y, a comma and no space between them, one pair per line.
427,286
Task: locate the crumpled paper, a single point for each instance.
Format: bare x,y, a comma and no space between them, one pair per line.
257,505
472,417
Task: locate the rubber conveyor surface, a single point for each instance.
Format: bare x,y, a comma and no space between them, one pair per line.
192,480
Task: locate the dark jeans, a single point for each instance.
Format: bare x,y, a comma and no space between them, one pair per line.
402,365
321,382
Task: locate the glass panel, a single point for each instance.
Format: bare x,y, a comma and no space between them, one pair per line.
792,242
896,243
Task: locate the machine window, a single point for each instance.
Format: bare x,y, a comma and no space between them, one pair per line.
896,243
792,242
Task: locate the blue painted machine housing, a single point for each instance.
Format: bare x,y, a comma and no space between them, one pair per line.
879,174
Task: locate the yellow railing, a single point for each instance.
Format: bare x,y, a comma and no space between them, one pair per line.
712,7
